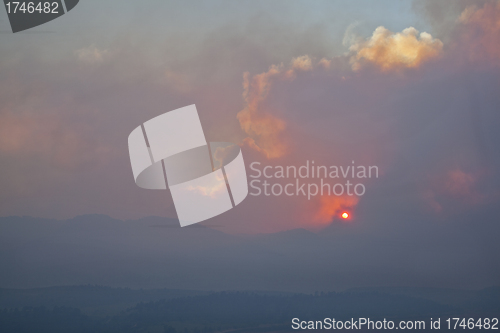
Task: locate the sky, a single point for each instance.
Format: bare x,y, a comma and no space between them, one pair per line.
411,87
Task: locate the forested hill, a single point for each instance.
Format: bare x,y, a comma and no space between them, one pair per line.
248,311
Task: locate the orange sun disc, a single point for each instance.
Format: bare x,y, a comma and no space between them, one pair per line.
345,215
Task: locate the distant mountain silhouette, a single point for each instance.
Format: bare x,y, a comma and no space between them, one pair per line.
155,252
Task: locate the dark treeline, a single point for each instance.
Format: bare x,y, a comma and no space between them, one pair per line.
91,299
226,311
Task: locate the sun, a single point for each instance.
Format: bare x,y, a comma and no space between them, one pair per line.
345,215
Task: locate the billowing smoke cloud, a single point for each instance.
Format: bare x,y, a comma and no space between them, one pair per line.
268,118
91,55
47,136
267,132
480,31
387,50
67,105
264,130
457,188
392,51
459,183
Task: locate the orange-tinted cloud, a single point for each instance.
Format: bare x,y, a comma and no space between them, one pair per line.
265,130
455,187
15,132
384,48
480,31
393,51
325,63
178,81
49,136
91,55
331,207
459,183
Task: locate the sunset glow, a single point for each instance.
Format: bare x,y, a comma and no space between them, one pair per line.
345,215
